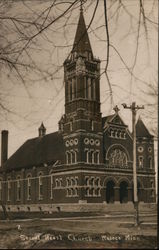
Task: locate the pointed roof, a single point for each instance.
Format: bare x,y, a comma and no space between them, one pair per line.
81,42
42,127
141,130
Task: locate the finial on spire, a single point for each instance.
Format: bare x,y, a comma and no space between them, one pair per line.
116,109
81,7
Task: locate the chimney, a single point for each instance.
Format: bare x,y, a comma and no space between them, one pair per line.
4,147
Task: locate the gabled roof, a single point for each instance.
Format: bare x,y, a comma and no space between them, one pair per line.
46,149
141,130
106,119
113,119
81,42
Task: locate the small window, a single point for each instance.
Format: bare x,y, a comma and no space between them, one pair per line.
140,149
149,149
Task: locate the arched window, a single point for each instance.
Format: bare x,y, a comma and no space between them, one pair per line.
0,189
40,186
9,189
29,187
73,156
90,158
98,192
18,189
117,157
98,181
76,192
68,157
93,192
72,181
87,181
140,159
60,182
87,155
87,192
76,181
56,182
96,157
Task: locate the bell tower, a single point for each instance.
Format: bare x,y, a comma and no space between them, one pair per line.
81,125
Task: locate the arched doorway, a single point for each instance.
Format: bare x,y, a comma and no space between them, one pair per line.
110,192
123,192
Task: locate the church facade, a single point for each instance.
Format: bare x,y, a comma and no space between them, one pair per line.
89,159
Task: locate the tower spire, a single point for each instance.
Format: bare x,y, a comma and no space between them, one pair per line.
81,43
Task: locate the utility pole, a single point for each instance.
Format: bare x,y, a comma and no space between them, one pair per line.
134,109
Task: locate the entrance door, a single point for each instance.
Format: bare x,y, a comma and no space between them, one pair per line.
110,192
123,192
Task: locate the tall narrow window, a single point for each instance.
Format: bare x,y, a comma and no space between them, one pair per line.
89,88
76,192
87,155
8,189
152,184
98,192
92,88
70,91
141,161
52,182
97,157
150,162
87,181
74,88
18,189
40,187
71,126
29,187
68,157
0,190
73,156
86,87
90,157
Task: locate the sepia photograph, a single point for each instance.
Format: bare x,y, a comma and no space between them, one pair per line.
79,124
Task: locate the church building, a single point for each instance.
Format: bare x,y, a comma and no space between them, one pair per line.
89,159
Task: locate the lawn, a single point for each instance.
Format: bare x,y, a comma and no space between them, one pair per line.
71,233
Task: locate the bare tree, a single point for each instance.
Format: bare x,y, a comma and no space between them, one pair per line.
30,28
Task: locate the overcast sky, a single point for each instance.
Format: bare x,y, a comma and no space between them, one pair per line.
43,99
